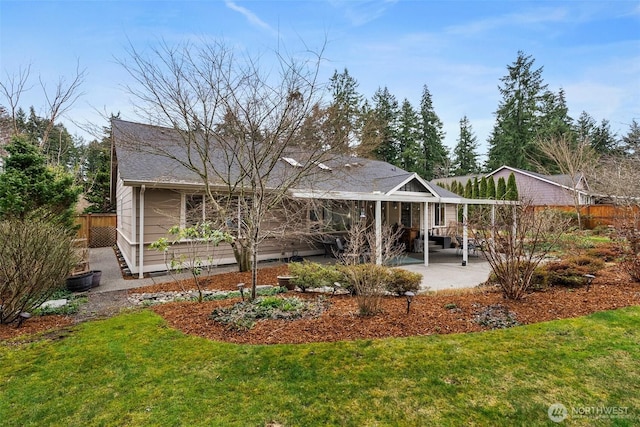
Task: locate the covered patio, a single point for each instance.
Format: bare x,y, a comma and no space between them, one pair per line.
423,210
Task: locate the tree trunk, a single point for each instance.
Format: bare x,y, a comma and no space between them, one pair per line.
243,257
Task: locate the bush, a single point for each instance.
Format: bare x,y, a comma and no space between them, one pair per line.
243,315
632,266
496,317
369,283
308,274
570,271
607,253
36,256
402,281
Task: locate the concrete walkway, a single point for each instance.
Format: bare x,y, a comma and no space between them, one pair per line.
445,271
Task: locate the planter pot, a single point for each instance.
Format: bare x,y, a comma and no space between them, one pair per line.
285,282
95,281
80,282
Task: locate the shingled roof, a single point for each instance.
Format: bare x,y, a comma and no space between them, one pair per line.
138,164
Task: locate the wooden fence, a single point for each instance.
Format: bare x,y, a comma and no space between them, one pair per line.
601,215
98,229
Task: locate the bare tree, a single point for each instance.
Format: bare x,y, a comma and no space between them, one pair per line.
61,99
576,160
516,242
12,89
58,101
238,123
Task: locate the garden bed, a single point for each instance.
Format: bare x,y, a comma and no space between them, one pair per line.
441,313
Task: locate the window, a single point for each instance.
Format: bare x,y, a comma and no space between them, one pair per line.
194,209
439,214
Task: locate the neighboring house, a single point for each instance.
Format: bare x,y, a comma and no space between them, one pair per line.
547,190
154,192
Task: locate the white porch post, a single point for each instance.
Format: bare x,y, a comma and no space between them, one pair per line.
465,234
378,232
493,223
141,241
425,236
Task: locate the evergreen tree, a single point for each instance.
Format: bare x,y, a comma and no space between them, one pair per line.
483,188
512,188
584,127
454,187
491,188
434,154
386,112
501,189
60,148
631,141
604,140
554,123
28,184
465,153
97,173
513,136
409,147
468,189
476,188
344,110
371,128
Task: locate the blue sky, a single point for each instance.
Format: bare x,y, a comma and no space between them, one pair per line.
459,49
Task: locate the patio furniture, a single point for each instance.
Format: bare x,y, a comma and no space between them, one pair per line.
444,241
472,246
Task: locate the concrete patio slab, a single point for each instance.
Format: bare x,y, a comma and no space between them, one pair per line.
445,271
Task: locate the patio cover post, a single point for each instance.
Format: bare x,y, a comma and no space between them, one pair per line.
141,240
493,223
425,237
378,232
465,234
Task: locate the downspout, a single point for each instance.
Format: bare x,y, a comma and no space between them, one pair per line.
378,232
141,240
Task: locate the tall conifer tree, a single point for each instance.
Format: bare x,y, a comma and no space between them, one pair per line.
434,154
514,134
465,153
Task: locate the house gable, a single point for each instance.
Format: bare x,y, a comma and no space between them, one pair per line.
539,189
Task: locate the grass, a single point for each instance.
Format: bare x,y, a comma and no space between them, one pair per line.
134,370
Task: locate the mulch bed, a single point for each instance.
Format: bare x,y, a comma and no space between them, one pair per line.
442,313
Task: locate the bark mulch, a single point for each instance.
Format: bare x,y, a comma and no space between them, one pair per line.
440,313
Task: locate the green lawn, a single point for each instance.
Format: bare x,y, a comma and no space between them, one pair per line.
134,370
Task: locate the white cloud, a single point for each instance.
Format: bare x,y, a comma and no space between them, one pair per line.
251,17
533,17
360,12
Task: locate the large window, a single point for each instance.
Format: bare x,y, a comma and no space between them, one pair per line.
194,209
439,215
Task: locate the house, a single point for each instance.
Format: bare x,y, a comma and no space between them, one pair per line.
547,190
155,192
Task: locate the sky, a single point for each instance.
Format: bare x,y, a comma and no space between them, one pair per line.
459,49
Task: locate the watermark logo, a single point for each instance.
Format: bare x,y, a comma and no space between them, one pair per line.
557,412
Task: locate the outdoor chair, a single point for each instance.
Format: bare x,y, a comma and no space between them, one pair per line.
472,246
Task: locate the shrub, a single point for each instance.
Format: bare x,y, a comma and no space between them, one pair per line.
570,271
71,307
402,281
36,256
308,274
243,315
607,253
632,266
496,317
369,283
